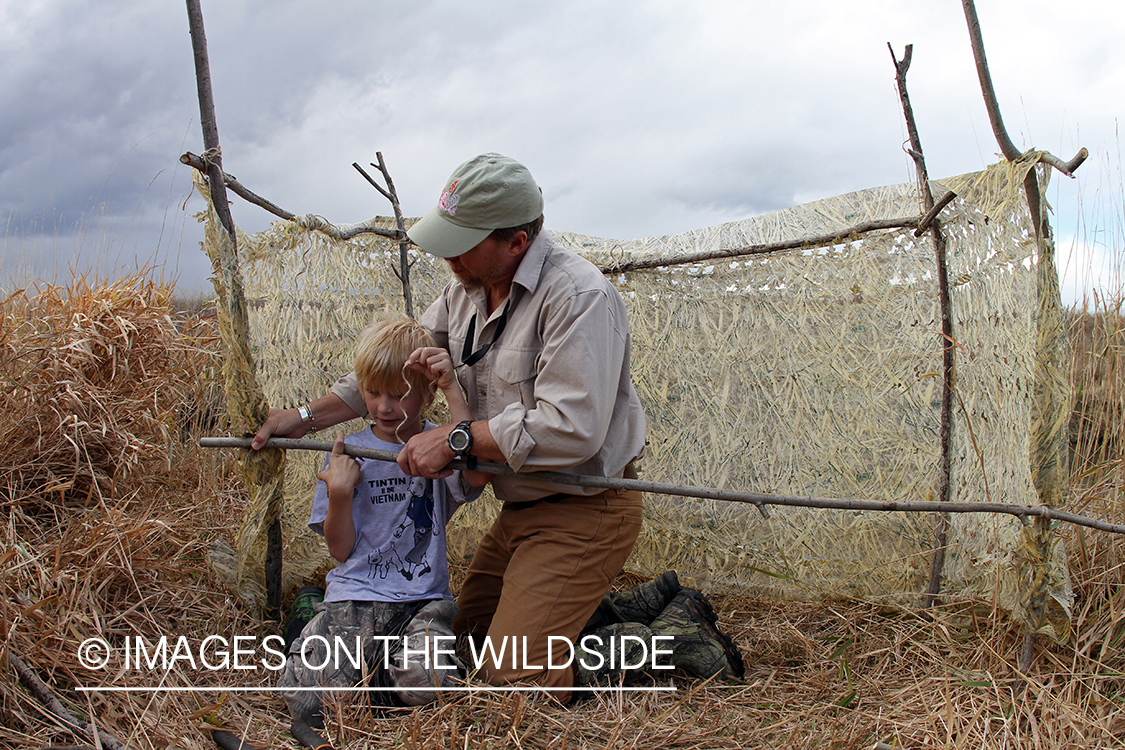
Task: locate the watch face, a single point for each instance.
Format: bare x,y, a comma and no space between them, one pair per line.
459,440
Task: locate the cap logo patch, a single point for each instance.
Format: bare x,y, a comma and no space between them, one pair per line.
449,200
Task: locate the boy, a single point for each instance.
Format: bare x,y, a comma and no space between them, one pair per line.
387,530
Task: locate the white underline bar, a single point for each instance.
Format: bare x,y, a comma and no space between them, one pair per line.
505,689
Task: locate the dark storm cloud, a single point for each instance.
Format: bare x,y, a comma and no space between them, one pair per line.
638,118
92,91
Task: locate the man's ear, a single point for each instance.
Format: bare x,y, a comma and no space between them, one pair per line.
518,243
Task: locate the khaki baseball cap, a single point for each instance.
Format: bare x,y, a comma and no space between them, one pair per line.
485,193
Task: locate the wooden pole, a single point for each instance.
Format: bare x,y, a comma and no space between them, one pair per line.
246,405
1050,409
1022,512
212,155
949,371
822,240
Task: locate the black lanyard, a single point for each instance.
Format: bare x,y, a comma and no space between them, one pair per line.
471,359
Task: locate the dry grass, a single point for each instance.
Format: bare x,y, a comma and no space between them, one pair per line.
109,509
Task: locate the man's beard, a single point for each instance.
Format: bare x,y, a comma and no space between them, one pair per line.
470,281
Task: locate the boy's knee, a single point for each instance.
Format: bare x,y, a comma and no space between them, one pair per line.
438,614
426,660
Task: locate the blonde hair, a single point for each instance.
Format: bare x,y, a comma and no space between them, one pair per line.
381,353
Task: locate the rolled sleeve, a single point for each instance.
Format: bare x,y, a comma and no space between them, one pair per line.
514,441
347,389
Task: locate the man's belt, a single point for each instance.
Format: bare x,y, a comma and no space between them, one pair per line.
630,473
548,499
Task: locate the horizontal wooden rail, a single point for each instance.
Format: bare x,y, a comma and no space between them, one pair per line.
1023,512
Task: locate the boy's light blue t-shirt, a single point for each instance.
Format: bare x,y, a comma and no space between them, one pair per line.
400,525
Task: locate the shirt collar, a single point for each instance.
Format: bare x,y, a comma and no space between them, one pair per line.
531,267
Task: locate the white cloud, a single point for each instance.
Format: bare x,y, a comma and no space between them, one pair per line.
1090,273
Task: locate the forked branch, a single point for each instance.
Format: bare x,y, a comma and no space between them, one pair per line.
403,270
1049,407
1011,153
307,221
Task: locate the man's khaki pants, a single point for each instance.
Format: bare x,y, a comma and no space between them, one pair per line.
541,571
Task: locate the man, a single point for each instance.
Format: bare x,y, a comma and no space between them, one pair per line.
540,340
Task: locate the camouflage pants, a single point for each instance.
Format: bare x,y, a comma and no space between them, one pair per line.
341,648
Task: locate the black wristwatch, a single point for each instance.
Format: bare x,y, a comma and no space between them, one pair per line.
461,439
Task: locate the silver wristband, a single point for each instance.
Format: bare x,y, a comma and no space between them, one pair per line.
306,413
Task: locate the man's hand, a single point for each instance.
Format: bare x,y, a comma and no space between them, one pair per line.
427,454
329,410
280,423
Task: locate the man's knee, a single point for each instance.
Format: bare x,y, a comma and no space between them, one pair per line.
545,664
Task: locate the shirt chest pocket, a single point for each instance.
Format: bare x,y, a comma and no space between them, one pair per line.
512,380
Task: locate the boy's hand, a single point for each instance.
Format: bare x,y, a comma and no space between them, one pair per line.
342,471
435,363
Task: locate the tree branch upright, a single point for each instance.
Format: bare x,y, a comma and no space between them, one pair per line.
404,264
262,471
1051,405
949,364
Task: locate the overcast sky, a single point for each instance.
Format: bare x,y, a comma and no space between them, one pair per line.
636,117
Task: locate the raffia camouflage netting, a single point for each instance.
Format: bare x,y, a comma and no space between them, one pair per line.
815,371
